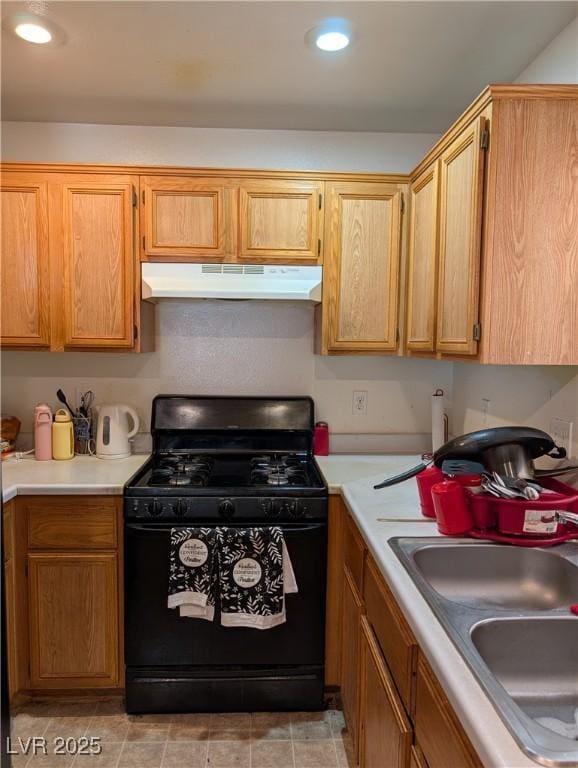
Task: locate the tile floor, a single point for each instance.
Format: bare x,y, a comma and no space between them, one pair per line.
258,740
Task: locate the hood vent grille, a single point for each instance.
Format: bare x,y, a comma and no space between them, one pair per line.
232,269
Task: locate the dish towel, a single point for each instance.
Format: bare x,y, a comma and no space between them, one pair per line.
255,574
193,571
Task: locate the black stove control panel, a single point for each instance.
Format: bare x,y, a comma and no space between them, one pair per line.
189,510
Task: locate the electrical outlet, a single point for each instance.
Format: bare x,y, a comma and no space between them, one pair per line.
359,402
561,432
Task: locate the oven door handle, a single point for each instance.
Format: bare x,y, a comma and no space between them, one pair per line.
286,529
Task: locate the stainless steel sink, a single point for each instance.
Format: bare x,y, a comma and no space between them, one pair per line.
490,576
507,611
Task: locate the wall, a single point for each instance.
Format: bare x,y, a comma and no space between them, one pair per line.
241,348
214,147
558,62
523,395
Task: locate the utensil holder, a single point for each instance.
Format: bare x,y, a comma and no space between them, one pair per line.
83,435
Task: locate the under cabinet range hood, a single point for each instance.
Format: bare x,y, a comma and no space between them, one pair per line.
231,281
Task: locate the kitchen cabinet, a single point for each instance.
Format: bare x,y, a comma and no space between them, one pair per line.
385,732
437,729
460,229
422,261
25,269
335,524
188,218
73,604
506,234
361,268
395,709
98,260
64,568
351,625
69,267
281,220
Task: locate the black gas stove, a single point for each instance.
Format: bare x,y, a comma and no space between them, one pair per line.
221,461
258,473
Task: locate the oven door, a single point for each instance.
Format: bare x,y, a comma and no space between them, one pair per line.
156,636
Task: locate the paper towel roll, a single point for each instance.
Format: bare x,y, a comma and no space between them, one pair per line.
438,420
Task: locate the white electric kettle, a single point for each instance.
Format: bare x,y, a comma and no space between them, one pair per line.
112,431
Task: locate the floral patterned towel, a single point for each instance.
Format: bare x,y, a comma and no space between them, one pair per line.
193,571
247,571
255,574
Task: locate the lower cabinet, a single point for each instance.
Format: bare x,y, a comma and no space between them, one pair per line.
63,592
396,711
352,611
73,608
385,732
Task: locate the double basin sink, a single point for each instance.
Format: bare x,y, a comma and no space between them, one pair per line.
507,610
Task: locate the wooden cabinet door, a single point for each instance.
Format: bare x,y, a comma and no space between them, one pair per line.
422,261
385,733
352,609
73,605
25,276
99,264
189,219
280,221
361,267
461,193
437,729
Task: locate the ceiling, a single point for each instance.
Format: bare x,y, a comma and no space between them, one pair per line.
412,67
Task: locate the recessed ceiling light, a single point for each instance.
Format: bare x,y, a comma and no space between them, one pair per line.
332,41
33,33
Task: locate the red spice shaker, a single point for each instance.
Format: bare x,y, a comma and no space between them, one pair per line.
321,439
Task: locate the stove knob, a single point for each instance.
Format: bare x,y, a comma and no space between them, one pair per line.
155,508
181,508
267,507
295,508
226,508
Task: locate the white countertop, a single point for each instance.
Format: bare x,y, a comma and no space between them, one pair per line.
80,475
339,469
489,736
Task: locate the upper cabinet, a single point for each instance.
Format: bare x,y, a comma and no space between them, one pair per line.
422,261
98,260
25,268
503,254
281,220
460,227
361,268
188,218
69,261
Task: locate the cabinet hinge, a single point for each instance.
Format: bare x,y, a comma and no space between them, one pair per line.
135,331
134,199
319,247
485,139
477,332
142,197
402,204
320,201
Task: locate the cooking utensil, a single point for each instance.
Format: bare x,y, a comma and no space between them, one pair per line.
62,398
86,400
462,467
481,447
